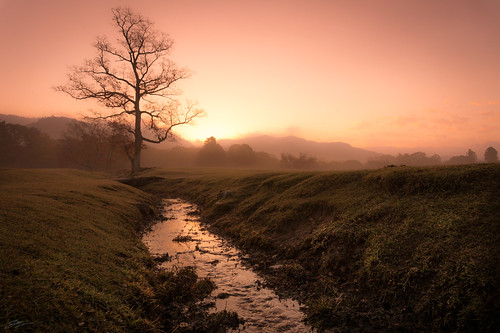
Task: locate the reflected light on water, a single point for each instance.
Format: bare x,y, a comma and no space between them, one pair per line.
239,289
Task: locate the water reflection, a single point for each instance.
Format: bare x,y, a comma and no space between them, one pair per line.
239,289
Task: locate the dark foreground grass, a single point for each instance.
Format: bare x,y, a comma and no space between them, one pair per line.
72,260
398,248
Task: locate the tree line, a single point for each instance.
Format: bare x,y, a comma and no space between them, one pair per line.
213,154
99,145
90,145
421,159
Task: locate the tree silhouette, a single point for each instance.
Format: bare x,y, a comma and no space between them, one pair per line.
94,145
211,154
472,156
491,155
469,158
134,79
26,147
289,161
241,155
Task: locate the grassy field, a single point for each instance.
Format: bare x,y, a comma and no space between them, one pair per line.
72,259
397,248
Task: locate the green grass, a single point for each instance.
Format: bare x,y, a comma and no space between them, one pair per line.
72,259
399,248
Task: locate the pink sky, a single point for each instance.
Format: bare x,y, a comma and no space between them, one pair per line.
407,73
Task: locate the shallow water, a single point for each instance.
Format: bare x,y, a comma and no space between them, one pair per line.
239,289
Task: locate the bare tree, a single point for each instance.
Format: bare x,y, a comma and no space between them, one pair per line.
86,144
135,80
121,137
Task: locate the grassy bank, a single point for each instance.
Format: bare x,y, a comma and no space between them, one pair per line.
401,248
72,259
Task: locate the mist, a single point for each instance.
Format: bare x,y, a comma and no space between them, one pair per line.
65,142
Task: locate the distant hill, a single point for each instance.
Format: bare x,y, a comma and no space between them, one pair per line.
53,126
18,120
325,151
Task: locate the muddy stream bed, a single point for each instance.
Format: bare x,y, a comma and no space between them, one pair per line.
239,289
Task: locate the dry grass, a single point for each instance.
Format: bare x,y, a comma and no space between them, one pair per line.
399,248
72,259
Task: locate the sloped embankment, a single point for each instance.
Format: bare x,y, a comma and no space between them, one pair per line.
400,248
72,259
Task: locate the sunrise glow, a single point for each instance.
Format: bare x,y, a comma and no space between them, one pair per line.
370,73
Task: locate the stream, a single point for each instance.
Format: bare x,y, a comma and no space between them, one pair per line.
239,289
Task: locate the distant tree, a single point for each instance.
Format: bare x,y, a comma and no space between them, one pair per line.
134,79
491,155
435,159
211,154
469,158
241,155
85,145
26,147
265,160
472,156
289,161
459,159
414,159
418,159
403,159
96,145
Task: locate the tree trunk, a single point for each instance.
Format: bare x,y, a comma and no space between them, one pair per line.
136,164
137,155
